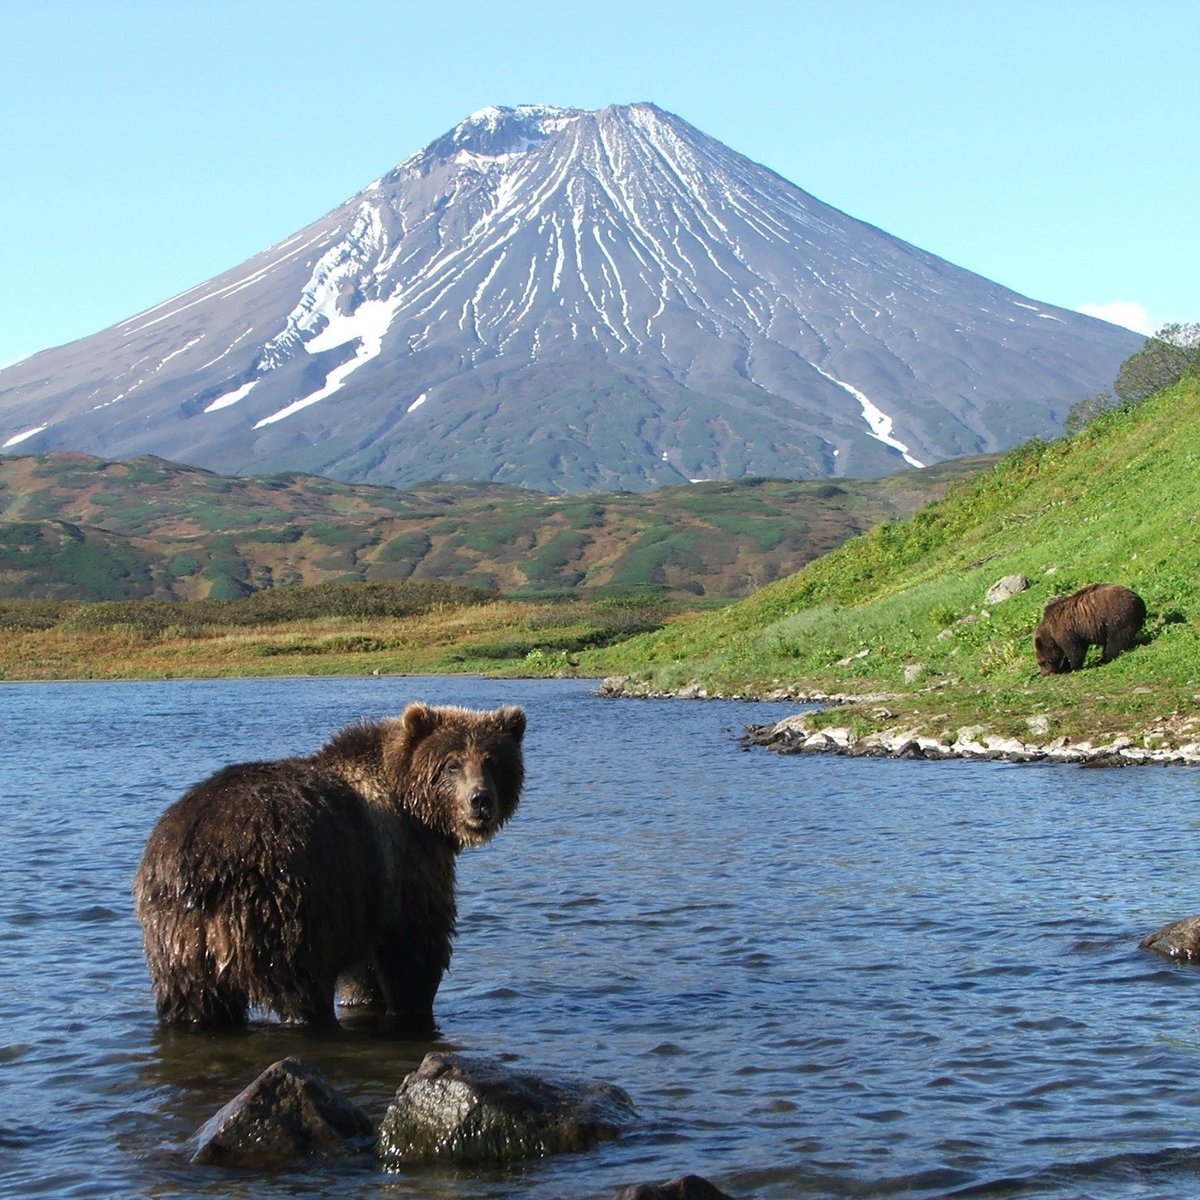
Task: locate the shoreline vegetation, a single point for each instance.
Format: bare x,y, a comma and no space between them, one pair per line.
328,629
894,634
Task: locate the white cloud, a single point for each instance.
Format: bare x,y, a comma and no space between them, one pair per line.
1123,312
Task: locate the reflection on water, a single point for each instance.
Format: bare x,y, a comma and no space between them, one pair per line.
815,976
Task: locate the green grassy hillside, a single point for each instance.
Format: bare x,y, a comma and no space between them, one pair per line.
900,610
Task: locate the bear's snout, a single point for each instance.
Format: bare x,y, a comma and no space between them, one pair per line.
482,804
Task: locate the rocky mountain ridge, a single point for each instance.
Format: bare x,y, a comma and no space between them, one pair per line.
571,301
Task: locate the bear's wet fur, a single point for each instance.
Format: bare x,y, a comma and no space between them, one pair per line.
1101,614
267,881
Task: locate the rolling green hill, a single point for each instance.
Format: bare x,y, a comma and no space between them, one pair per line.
74,527
897,615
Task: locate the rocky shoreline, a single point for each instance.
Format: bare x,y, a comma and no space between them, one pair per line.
792,736
795,735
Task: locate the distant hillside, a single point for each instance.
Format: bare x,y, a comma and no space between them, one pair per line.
73,527
900,611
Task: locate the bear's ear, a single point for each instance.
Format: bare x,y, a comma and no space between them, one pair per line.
418,721
511,721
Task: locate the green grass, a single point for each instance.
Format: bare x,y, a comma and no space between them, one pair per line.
1116,503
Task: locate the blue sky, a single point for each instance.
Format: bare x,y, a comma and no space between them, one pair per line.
148,145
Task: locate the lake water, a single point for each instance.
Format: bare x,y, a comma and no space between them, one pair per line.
816,976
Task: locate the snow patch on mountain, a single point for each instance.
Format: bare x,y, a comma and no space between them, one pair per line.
229,398
331,288
182,350
212,362
878,422
18,438
366,325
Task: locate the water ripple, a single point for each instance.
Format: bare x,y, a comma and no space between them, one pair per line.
928,984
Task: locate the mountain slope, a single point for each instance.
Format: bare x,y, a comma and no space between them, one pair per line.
80,528
901,610
571,300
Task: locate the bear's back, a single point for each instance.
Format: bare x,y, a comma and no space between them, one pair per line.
267,827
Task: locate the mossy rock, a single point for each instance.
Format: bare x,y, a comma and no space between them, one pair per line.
475,1110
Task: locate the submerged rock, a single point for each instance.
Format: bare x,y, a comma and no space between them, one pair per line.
685,1187
288,1112
466,1109
1179,940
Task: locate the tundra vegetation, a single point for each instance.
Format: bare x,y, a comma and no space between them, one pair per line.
74,527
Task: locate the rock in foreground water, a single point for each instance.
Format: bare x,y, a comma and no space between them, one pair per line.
1179,940
465,1109
686,1187
288,1112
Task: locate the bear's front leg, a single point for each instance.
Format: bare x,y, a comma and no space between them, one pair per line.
1074,650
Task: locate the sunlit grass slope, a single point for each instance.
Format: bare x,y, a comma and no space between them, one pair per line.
901,610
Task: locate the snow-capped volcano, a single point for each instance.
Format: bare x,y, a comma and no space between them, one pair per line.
570,300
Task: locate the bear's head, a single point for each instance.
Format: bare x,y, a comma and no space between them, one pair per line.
1050,657
459,771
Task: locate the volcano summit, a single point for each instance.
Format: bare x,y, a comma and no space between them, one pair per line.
571,300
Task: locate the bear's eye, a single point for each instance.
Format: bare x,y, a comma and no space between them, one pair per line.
451,766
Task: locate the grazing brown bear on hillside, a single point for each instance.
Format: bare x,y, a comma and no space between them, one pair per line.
1101,614
264,883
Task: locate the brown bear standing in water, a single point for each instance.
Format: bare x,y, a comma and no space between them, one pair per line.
264,883
1101,614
